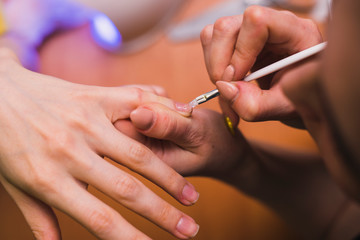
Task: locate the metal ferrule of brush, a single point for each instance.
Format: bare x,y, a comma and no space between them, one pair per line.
207,96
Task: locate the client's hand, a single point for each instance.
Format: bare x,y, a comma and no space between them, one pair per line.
54,135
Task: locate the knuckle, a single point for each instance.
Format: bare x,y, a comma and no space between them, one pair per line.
193,136
101,222
168,126
288,13
137,93
165,213
43,234
256,15
226,25
174,182
139,154
43,182
61,141
126,188
314,29
206,34
252,112
159,90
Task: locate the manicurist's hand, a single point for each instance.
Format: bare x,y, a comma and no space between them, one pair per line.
54,135
235,45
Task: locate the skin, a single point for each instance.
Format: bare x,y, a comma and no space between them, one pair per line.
317,194
207,148
55,135
235,45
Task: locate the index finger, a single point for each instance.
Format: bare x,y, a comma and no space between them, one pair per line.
142,160
281,31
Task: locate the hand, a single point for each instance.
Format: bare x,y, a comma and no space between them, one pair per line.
54,135
235,45
196,145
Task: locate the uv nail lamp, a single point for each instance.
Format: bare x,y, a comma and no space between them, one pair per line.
129,25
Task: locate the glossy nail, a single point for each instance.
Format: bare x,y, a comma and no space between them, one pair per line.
229,73
187,227
189,194
229,125
183,108
227,90
142,118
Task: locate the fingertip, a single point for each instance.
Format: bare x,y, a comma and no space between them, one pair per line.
229,113
227,90
229,73
189,195
160,91
187,227
206,35
142,118
183,108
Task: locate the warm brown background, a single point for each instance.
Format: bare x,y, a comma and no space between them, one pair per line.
222,212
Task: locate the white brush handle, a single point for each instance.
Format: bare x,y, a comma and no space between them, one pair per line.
286,62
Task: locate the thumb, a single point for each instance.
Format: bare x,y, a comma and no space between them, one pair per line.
252,103
158,121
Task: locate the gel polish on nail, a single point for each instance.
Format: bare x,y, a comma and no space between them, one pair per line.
229,125
227,90
183,107
229,73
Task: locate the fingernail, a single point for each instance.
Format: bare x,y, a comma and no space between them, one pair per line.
227,90
187,227
190,194
142,118
183,108
228,73
229,125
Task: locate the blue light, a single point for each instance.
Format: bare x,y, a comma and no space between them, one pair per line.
105,32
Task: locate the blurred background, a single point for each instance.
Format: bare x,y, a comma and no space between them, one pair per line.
166,52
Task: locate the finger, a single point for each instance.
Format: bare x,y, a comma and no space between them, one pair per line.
129,98
158,121
142,160
254,104
158,90
280,30
40,217
93,214
205,38
223,42
133,194
229,113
